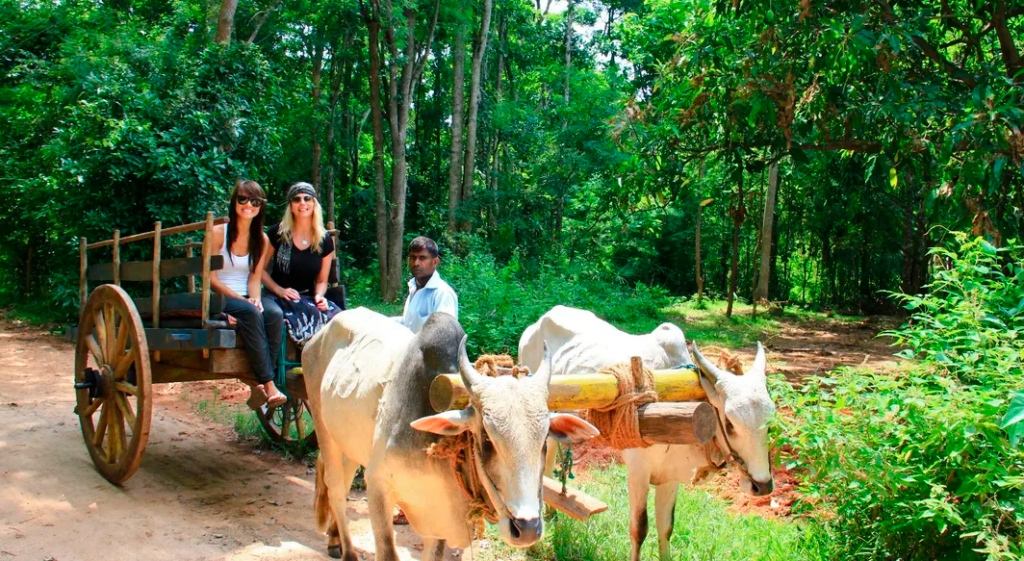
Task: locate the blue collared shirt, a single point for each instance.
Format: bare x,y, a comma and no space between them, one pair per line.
436,296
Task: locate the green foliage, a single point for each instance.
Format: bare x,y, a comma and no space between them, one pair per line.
918,464
704,530
971,320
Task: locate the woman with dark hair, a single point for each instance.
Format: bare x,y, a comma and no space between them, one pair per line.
301,260
246,250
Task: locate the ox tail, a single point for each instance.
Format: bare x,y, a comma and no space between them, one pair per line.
321,504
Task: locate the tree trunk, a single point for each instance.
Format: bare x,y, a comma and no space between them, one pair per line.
401,93
739,214
479,47
225,21
332,146
458,99
318,67
373,23
568,49
262,19
700,279
768,223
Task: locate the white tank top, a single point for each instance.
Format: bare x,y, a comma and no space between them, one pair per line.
235,274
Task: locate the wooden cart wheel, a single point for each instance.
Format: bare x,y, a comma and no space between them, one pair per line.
289,425
112,381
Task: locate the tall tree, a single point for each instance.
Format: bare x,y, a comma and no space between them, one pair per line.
767,223
225,21
404,70
458,100
479,48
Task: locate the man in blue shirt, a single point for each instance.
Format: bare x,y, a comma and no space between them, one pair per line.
427,292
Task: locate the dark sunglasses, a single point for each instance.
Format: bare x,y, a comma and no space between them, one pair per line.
301,199
255,202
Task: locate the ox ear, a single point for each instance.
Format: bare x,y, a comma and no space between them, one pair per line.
570,429
449,423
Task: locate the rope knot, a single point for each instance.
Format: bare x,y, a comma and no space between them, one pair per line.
618,422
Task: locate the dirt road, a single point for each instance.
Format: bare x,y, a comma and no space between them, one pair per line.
199,493
202,494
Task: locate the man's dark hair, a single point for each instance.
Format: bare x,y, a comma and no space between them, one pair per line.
422,242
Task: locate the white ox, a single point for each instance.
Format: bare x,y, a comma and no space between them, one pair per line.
367,379
580,343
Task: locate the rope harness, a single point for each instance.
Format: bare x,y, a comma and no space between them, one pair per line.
618,422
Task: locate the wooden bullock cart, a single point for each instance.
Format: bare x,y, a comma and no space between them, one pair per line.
125,345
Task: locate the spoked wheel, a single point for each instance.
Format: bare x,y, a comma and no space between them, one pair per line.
289,425
112,383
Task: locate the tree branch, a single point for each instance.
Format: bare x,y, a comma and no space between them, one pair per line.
954,71
1011,57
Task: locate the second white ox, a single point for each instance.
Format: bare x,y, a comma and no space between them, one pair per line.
581,343
367,378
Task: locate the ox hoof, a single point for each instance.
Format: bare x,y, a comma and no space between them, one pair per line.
334,551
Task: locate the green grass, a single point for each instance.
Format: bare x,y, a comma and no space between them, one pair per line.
704,531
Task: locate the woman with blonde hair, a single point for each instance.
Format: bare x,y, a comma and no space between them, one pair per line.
246,251
301,260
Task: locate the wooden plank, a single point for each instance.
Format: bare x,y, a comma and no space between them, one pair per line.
166,339
189,252
220,361
577,391
164,373
83,283
195,226
574,502
179,303
143,270
157,239
116,265
207,265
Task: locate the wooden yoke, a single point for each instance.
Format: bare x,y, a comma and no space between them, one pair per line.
577,391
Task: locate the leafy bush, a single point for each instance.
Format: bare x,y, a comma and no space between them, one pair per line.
916,464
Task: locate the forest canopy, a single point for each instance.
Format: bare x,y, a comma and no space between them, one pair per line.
820,143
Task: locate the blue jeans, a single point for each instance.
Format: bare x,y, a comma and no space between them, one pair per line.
261,333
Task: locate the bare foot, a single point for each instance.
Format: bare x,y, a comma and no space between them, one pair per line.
257,397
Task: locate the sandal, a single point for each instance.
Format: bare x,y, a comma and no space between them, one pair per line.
276,399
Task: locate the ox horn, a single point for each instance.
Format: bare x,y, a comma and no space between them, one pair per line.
473,379
543,375
713,372
760,367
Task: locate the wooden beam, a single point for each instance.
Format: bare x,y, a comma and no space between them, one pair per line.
83,266
167,232
577,391
675,422
163,373
220,361
207,265
157,239
163,339
116,264
574,502
143,270
170,303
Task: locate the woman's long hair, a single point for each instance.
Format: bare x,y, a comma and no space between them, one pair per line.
250,189
288,224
